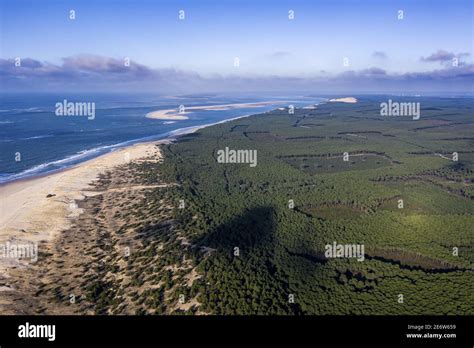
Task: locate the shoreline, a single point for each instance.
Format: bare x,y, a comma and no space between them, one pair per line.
39,207
19,194
36,209
169,136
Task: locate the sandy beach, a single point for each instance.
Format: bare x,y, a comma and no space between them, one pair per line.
36,210
175,115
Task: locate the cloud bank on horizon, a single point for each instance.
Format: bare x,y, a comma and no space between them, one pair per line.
97,73
281,45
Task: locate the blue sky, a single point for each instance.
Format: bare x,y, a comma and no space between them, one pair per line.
258,32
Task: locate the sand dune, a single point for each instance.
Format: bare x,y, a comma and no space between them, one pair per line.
35,210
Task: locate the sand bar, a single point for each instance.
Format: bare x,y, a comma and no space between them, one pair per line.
344,100
174,114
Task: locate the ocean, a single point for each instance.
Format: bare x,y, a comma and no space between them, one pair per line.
35,141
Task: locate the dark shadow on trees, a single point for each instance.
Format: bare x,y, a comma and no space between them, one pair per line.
254,228
250,283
